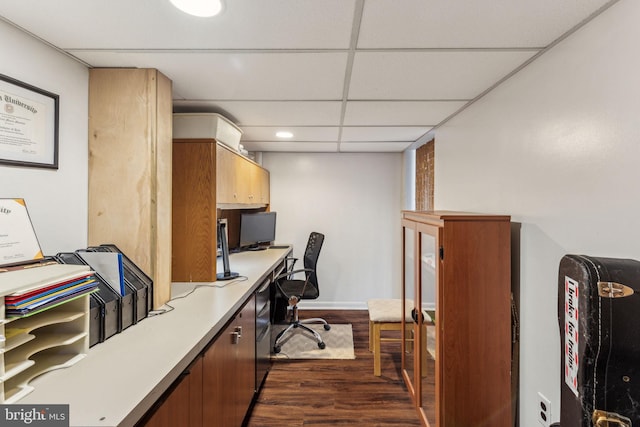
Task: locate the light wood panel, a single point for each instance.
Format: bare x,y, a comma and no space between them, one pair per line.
130,122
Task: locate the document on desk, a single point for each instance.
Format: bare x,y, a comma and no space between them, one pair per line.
108,265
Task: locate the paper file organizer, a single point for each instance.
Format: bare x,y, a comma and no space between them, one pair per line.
51,339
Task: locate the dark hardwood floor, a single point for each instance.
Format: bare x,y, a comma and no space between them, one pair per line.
336,392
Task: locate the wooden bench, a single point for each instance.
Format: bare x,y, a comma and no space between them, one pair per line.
385,315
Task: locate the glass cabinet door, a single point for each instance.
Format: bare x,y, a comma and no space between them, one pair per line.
421,257
429,258
408,295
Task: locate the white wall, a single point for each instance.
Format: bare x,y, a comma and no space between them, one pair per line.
56,199
355,201
557,147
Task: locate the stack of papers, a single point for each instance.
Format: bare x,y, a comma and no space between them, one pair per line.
31,301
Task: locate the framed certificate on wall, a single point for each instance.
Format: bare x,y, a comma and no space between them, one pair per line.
28,125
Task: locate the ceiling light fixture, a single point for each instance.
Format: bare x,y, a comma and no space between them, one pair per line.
202,8
284,134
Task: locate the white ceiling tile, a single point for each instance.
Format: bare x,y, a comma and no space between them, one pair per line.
469,24
309,133
430,75
292,146
399,113
374,147
243,76
156,24
275,64
383,133
267,113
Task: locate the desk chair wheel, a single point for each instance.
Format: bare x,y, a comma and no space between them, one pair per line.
327,327
276,349
322,345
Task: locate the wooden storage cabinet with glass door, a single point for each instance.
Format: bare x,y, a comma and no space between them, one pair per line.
459,263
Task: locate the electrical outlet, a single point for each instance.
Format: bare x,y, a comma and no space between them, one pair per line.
544,410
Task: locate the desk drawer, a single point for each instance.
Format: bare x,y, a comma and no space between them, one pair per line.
262,296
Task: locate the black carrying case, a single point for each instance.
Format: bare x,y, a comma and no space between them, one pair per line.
598,308
106,307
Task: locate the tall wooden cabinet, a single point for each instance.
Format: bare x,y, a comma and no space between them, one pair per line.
130,127
460,262
207,177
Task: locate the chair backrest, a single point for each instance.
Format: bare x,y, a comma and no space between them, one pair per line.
311,254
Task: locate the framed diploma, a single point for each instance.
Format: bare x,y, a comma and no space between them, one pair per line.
28,125
18,241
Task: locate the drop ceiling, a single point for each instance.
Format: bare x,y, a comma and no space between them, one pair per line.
341,75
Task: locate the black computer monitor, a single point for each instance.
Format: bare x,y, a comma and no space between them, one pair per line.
257,230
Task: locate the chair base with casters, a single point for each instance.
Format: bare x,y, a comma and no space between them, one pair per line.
297,323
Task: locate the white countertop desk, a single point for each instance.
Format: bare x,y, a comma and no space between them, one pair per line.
121,378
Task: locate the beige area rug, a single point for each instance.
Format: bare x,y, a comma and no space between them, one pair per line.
300,344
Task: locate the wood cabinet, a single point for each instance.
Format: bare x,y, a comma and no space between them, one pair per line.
130,122
461,263
240,181
229,379
218,388
182,403
194,211
208,176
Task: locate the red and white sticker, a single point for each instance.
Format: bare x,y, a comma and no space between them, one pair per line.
571,337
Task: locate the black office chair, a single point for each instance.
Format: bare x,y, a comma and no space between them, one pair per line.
294,290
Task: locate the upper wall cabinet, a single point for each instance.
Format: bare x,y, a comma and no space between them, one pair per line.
130,134
241,183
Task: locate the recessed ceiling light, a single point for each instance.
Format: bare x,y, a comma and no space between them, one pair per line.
202,8
284,134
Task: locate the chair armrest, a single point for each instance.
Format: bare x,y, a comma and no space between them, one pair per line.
291,273
292,260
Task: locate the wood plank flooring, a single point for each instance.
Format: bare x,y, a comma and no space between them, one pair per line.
336,392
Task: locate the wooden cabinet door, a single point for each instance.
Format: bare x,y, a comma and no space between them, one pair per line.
227,179
263,182
218,382
229,371
183,404
246,358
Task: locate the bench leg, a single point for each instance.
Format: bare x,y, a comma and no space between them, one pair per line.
377,371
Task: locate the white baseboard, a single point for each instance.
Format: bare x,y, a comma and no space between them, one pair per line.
345,305
332,305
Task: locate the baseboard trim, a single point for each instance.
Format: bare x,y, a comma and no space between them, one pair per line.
344,305
332,305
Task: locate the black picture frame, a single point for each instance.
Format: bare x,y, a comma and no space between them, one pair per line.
28,125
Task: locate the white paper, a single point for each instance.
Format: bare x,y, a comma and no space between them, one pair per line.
108,265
